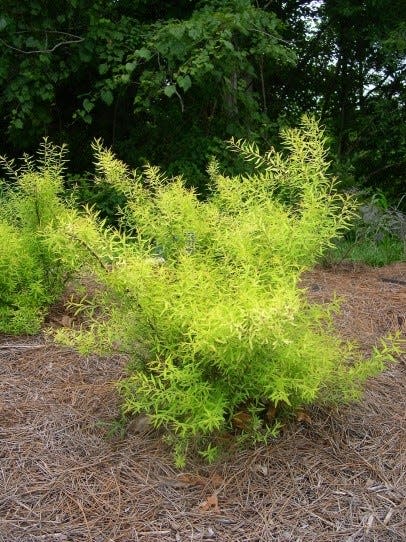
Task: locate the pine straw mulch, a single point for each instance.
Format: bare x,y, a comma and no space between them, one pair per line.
339,476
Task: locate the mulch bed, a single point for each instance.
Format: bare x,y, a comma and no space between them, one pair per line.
339,475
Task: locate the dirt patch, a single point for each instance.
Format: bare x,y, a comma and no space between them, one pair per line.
341,477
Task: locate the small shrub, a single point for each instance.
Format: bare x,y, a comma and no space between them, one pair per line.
377,237
204,295
30,276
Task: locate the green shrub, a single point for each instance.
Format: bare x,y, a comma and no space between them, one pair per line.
22,292
377,236
387,250
30,275
205,297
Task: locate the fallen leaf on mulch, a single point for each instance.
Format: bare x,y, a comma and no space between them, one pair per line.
262,469
270,413
211,504
303,416
191,479
242,420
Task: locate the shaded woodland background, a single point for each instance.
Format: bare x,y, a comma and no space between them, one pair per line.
168,82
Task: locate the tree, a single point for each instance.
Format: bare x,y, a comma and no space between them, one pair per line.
169,82
92,64
351,71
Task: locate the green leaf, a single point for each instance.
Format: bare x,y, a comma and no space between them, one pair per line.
184,82
18,123
228,45
130,66
170,90
88,105
103,68
144,53
107,96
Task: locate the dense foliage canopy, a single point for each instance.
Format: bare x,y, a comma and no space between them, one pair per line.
168,81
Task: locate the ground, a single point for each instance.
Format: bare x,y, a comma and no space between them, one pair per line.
336,475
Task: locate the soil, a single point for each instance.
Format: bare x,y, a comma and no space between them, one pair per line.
332,475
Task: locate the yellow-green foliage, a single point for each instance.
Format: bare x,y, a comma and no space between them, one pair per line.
30,276
205,296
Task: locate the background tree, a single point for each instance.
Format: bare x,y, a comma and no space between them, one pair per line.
168,82
351,71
